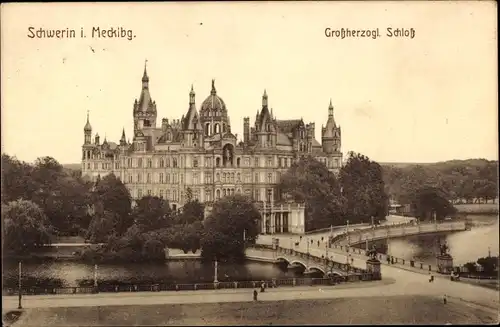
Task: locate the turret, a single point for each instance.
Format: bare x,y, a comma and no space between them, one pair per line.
96,139
144,109
123,140
330,134
87,131
246,130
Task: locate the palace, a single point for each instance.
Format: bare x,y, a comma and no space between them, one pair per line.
199,153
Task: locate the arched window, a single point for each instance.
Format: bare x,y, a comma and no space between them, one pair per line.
217,162
224,129
217,194
238,162
169,136
162,163
217,129
232,177
207,129
224,192
217,177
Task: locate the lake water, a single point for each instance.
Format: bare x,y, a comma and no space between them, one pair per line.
464,246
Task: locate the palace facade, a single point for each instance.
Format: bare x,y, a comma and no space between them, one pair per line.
200,153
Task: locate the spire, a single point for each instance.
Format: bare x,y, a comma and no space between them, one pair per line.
145,78
330,109
88,127
214,91
191,95
264,99
123,140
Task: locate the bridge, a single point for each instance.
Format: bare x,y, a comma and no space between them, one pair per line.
393,231
303,260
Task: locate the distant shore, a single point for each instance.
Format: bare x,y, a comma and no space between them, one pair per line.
478,208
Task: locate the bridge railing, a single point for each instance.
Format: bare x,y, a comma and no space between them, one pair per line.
289,282
408,228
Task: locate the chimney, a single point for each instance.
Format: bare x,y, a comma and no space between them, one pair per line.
246,129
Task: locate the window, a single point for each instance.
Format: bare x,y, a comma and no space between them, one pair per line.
269,162
174,162
150,163
196,179
162,163
139,193
161,194
139,163
130,180
217,194
247,162
167,179
217,162
208,178
256,164
149,192
269,178
148,178
167,195
238,162
175,195
256,179
238,178
207,195
96,165
223,177
224,192
195,162
217,177
117,165
167,162
161,177
88,165
232,177
138,178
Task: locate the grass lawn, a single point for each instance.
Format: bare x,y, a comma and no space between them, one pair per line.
375,310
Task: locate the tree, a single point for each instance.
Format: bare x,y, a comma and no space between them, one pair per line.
192,211
429,202
489,264
363,188
102,226
309,181
16,179
231,217
25,226
152,213
115,197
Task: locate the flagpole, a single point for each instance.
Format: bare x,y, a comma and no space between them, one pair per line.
20,287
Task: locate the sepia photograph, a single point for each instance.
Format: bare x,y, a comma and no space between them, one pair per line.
249,163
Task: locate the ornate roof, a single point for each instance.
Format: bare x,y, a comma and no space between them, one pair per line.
88,127
288,126
213,101
328,131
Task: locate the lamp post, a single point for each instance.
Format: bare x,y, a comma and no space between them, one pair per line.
215,272
95,277
20,287
348,242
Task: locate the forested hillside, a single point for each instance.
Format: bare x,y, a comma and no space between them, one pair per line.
472,180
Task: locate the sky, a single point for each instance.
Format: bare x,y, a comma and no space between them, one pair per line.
424,99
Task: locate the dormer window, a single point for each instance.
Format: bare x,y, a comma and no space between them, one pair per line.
147,123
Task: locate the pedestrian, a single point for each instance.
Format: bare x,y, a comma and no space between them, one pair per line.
262,287
444,299
352,261
318,243
255,293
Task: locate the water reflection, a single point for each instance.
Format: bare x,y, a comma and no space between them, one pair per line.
79,274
